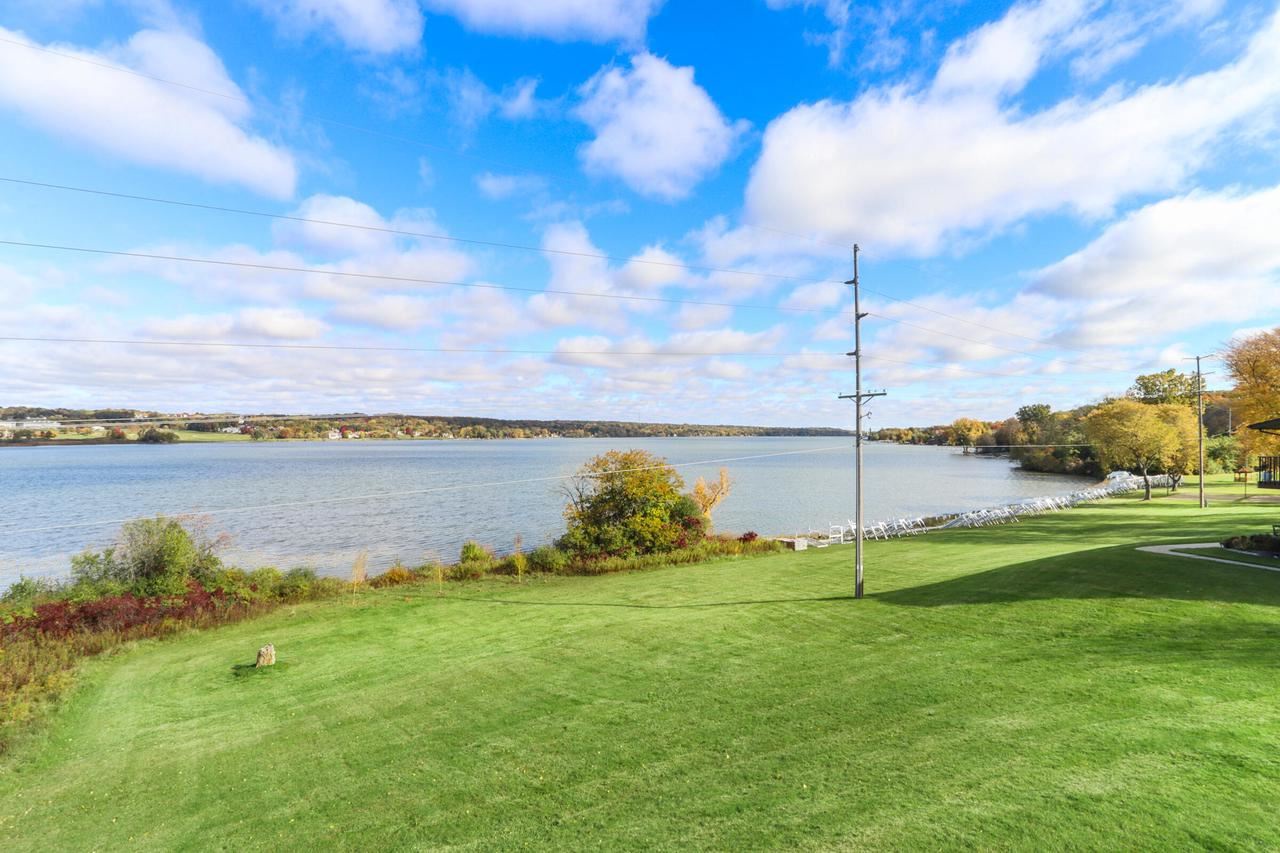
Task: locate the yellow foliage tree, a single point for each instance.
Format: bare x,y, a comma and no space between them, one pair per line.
965,432
1254,364
708,497
1143,438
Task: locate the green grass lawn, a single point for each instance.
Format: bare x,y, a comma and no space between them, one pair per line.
1035,686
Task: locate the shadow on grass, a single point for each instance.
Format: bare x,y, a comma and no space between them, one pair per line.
636,606
248,670
1113,572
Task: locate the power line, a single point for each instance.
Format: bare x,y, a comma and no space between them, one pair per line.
488,286
402,232
545,250
396,278
357,348
345,125
434,490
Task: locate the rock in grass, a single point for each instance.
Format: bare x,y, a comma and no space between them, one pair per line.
266,655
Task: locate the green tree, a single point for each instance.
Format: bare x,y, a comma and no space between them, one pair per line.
1033,418
1166,387
1136,437
628,502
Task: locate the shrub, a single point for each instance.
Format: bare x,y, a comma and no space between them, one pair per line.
300,583
26,591
1258,542
151,435
473,562
625,503
473,551
265,582
749,536
548,559
394,576
154,556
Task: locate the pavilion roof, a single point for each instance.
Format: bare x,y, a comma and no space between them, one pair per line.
1272,426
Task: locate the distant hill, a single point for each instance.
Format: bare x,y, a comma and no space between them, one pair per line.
396,425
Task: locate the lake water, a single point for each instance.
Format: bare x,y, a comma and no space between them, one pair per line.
413,499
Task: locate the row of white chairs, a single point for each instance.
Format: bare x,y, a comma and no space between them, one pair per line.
1055,503
839,534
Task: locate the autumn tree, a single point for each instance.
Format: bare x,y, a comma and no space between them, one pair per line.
1186,455
1254,364
965,432
708,497
1134,436
628,502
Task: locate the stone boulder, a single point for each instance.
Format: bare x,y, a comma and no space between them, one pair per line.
266,655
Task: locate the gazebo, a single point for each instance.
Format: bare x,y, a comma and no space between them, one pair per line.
1268,466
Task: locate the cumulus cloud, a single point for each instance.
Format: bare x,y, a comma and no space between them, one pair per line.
371,26
471,100
1157,269
576,266
496,186
273,323
655,128
142,120
562,20
912,169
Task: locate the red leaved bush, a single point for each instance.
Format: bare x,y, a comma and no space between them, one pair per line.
128,614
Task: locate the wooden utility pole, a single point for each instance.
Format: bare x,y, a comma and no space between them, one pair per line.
1200,425
858,396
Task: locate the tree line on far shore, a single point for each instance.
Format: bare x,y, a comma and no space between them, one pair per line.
1151,429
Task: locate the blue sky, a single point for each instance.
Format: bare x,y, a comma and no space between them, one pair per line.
1064,194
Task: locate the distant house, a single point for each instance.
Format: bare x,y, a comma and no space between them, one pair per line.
333,435
231,430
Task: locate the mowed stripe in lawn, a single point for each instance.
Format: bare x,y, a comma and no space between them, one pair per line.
1000,687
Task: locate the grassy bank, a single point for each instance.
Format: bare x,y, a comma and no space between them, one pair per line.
1040,684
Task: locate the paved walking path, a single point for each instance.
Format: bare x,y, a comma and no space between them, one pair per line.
1168,550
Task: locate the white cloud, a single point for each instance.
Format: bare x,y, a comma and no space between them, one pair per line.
372,26
693,317
261,322
575,266
471,101
821,294
521,100
655,128
1171,266
497,186
395,312
338,240
911,170
562,20
141,120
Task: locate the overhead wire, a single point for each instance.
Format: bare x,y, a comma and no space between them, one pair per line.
240,98
375,348
544,250
221,262
396,278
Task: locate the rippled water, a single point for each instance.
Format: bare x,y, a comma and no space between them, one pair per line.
45,489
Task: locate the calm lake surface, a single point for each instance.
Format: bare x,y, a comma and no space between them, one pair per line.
46,490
